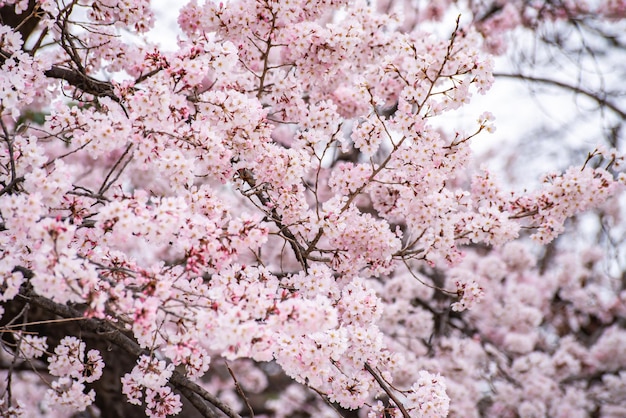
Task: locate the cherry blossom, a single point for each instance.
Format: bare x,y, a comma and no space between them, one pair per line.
281,216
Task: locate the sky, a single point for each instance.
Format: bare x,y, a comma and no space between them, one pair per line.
533,118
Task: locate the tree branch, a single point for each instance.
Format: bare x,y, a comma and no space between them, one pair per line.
602,101
77,79
84,82
388,391
192,391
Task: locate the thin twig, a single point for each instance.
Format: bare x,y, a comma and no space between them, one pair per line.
106,184
239,389
579,90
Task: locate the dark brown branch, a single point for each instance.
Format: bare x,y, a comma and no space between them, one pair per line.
106,184
25,23
24,366
248,177
388,391
9,141
180,381
76,79
239,390
205,409
115,336
83,82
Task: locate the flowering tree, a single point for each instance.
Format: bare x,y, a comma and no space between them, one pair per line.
279,219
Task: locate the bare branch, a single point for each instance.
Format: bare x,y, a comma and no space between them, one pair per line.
388,391
239,389
600,99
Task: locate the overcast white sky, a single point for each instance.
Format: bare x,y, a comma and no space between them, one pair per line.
519,112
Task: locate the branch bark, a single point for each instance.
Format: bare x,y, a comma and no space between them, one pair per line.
206,403
388,391
83,82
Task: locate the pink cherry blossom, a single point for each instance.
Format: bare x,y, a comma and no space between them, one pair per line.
285,215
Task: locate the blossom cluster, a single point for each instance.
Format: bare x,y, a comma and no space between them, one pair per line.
74,368
152,375
279,194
